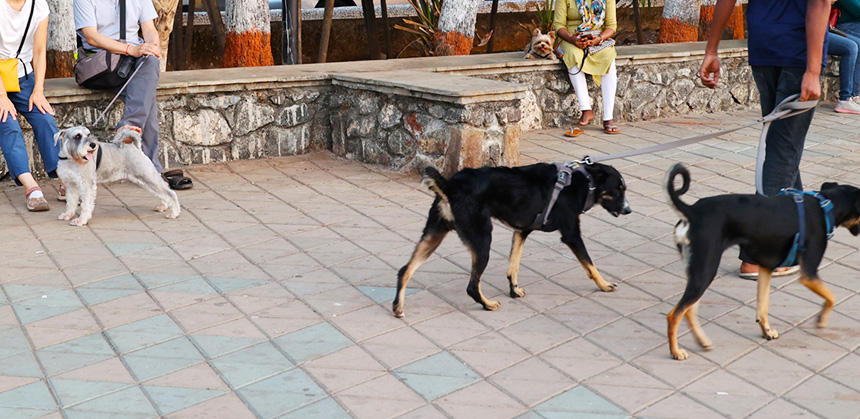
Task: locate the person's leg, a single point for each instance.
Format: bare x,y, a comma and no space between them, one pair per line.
608,87
141,108
580,88
785,139
847,51
851,28
15,151
855,87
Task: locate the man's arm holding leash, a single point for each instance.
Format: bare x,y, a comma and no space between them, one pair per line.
817,13
709,72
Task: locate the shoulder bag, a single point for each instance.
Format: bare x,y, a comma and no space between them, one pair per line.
102,69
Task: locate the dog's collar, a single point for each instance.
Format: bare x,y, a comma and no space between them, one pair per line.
98,158
542,56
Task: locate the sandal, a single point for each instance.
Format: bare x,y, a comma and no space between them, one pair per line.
609,127
176,180
61,192
573,132
36,204
784,271
582,122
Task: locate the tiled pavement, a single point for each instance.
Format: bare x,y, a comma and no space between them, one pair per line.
270,296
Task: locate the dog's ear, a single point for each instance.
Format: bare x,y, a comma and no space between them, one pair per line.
552,35
536,32
57,136
828,185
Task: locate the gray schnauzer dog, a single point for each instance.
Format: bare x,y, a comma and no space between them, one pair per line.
85,162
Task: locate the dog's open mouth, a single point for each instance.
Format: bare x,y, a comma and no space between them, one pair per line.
89,156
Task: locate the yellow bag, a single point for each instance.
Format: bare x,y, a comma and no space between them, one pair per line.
9,67
9,74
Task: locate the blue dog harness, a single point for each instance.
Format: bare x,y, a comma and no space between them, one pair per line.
800,237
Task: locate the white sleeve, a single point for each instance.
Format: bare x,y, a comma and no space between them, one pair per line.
85,14
147,11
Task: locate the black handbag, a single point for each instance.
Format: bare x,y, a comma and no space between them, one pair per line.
102,69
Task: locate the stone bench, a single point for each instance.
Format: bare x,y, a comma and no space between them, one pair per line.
449,111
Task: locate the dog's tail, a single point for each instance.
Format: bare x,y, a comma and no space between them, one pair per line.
432,179
675,194
128,135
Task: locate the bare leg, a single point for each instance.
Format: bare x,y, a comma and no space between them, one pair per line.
763,303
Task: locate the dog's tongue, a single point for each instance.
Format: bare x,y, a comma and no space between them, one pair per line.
88,156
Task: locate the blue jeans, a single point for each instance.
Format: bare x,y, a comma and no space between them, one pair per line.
851,28
12,138
786,137
848,49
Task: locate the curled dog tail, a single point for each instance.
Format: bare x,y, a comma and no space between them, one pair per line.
127,135
675,194
433,180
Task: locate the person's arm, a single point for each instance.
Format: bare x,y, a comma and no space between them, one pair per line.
40,42
559,23
709,72
817,13
94,38
150,36
611,24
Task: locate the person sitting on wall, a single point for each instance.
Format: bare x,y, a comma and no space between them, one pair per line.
97,24
847,47
586,30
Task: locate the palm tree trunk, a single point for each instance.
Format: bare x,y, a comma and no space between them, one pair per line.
248,40
680,21
166,13
456,29
61,39
735,28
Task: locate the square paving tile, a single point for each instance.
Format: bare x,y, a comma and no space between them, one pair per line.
282,393
436,375
312,342
251,364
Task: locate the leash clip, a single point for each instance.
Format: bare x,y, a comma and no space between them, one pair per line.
587,161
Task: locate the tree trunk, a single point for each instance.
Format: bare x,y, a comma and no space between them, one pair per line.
248,41
456,30
680,21
61,39
735,27
166,12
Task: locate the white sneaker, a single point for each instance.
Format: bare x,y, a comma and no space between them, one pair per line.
847,106
855,99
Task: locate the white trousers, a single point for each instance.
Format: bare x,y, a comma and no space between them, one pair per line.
608,84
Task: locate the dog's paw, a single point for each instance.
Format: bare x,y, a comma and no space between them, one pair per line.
608,287
706,344
823,318
78,222
518,292
65,216
161,207
680,355
172,214
492,305
770,334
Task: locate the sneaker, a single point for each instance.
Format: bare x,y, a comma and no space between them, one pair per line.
36,202
847,106
855,99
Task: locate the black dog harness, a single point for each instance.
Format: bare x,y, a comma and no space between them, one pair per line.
800,238
563,180
98,158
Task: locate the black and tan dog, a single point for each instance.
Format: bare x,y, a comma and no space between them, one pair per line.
516,196
765,229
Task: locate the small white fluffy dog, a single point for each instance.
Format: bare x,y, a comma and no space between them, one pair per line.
85,162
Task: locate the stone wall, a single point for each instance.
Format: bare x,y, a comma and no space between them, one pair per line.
403,132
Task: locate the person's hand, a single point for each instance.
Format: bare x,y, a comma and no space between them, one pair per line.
709,72
7,109
810,87
38,100
580,42
150,49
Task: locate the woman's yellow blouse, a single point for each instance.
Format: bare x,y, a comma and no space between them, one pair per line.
566,15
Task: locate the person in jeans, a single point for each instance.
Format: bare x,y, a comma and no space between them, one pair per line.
786,52
97,23
30,102
848,49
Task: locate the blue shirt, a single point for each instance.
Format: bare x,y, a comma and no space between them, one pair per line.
777,33
104,16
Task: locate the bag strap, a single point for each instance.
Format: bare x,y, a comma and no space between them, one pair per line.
122,20
26,28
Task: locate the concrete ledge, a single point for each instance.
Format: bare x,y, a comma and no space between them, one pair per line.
432,86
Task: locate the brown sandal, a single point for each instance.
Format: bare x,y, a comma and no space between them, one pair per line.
609,127
573,132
